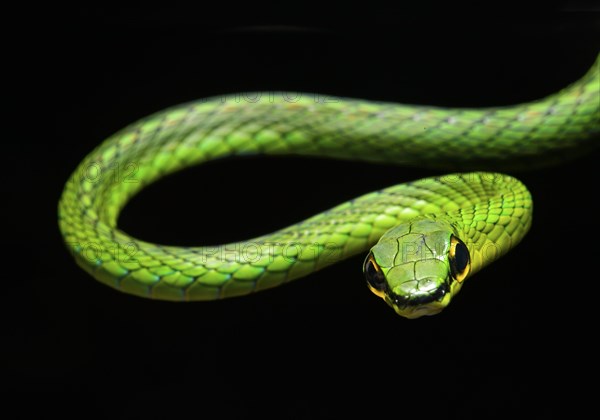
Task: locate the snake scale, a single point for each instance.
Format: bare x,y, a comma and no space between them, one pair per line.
423,238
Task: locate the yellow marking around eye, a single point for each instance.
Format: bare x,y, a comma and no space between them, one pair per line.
460,277
379,293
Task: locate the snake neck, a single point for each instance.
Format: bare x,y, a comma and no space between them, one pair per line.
490,212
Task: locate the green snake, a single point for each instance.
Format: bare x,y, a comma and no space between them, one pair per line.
423,238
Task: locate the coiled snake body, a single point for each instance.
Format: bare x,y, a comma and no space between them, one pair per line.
426,237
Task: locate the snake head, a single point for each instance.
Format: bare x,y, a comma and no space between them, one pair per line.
417,267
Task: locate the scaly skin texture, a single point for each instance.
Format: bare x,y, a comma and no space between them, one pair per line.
482,208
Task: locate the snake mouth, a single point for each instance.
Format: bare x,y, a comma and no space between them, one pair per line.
415,306
419,299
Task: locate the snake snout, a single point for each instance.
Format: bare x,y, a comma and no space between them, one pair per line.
408,300
418,304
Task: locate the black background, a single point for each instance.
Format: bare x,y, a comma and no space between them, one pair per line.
323,346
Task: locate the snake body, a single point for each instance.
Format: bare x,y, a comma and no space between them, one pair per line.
426,237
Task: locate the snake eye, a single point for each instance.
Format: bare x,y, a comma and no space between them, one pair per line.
460,261
374,276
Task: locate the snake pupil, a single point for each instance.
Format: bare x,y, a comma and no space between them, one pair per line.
459,259
373,274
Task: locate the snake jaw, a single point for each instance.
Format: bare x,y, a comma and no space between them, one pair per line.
424,310
416,306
